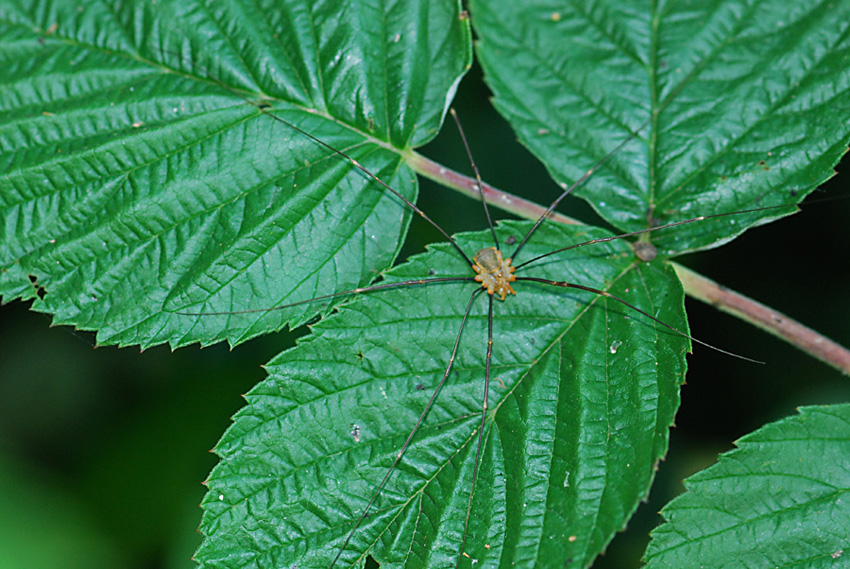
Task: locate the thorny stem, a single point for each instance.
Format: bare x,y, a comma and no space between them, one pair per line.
764,317
696,285
469,187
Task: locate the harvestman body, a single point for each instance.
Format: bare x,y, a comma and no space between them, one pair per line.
494,273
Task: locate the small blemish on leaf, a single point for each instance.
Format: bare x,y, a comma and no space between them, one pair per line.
40,291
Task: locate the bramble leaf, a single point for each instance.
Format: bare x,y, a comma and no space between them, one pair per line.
734,104
781,499
142,179
581,398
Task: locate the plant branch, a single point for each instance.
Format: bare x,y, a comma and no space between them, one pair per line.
696,285
764,317
469,187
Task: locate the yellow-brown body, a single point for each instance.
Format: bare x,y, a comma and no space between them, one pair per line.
494,273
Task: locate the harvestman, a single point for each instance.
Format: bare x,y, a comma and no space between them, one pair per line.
495,273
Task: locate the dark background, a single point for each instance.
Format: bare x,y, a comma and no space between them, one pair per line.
103,451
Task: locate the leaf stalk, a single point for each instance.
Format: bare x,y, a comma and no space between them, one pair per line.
771,321
468,186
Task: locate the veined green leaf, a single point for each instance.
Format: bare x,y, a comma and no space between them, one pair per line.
581,397
781,499
139,182
735,102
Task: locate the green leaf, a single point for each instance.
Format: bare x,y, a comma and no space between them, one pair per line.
735,103
781,499
139,180
581,399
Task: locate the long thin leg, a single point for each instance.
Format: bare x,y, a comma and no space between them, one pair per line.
650,230
575,184
352,292
400,453
477,179
374,177
480,428
562,284
266,108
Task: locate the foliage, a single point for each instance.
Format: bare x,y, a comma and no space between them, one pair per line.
145,179
780,499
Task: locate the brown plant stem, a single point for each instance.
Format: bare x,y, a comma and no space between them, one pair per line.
764,317
469,187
